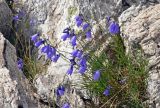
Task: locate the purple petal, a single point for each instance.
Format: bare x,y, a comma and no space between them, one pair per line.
34,37
70,70
66,105
107,91
79,54
39,43
65,36
88,34
96,75
55,58
82,69
74,53
114,28
85,26
73,41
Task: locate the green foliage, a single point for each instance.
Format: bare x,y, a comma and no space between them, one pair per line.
117,66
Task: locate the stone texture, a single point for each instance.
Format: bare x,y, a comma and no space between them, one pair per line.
142,29
14,90
50,17
5,18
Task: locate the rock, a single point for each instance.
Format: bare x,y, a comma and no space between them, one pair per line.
5,18
50,17
14,88
142,29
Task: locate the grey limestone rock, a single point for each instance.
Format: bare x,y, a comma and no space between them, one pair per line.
142,28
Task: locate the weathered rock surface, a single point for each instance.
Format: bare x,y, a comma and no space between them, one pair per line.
14,88
5,18
142,28
50,17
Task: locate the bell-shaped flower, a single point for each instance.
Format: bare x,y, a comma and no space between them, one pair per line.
73,41
114,28
107,91
60,91
65,36
34,37
39,43
82,69
66,105
79,54
70,70
74,53
20,64
79,21
96,75
55,58
44,49
16,18
82,62
85,26
88,35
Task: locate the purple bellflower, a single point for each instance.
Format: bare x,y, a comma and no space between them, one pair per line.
55,58
107,91
70,70
85,26
79,21
79,54
96,75
82,69
66,105
34,37
20,64
88,34
39,43
65,36
60,91
73,41
16,18
74,53
83,62
114,28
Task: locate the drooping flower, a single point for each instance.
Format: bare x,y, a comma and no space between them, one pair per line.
88,34
65,36
96,75
107,91
82,69
39,43
70,70
34,37
79,21
82,62
44,49
16,18
114,28
20,64
73,41
66,105
79,54
60,91
74,53
55,58
85,26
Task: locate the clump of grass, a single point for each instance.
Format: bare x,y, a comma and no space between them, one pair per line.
125,73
